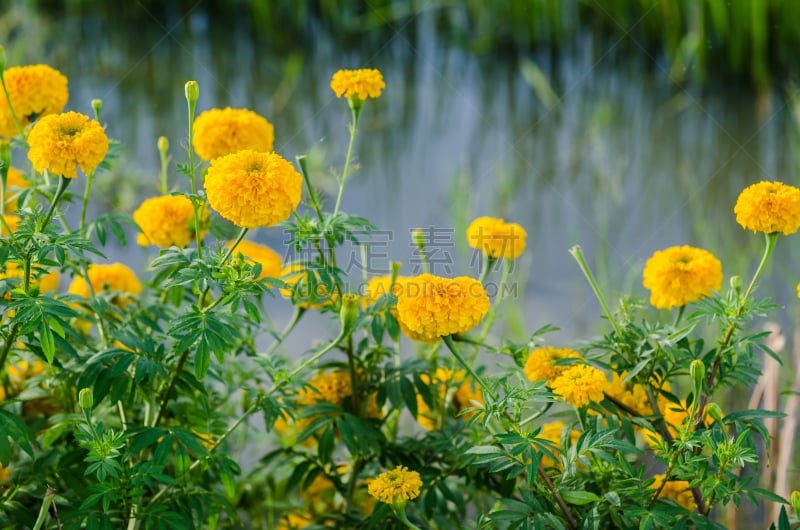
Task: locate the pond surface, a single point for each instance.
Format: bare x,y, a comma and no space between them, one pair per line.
624,163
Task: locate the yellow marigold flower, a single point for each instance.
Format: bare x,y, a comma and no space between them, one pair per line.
23,370
12,221
629,394
220,132
677,490
15,182
253,189
379,286
675,417
541,366
168,220
35,91
62,142
361,84
5,473
466,394
270,261
580,385
112,277
496,238
395,486
333,388
432,307
769,207
552,432
679,275
798,290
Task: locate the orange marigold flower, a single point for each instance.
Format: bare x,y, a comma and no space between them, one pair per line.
769,207
253,189
677,490
432,307
112,277
220,132
270,261
496,238
35,91
679,275
541,366
62,142
580,385
395,486
360,84
168,220
15,182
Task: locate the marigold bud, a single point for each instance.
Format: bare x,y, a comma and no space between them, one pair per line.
349,311
86,399
418,237
713,410
795,498
97,106
192,92
163,144
698,372
736,283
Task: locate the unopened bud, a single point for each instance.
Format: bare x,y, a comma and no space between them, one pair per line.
418,237
698,372
736,283
349,311
2,58
163,144
97,106
713,410
795,498
395,271
192,92
86,399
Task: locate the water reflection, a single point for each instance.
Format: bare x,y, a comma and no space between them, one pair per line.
625,166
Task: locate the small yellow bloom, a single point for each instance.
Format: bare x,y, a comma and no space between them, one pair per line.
112,277
360,84
769,207
432,307
395,486
679,275
270,261
798,290
62,142
335,388
541,366
677,490
168,220
220,132
252,189
15,183
294,521
675,417
496,238
5,473
633,396
580,385
35,91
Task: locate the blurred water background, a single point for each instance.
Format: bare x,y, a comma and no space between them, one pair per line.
608,139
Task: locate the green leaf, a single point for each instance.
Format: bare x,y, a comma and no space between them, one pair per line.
48,342
409,396
578,497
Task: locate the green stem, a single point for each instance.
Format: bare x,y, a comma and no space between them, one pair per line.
400,512
448,340
235,244
490,261
17,123
771,240
312,193
490,318
63,183
171,387
11,338
89,179
49,495
192,177
356,111
298,312
577,253
678,316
